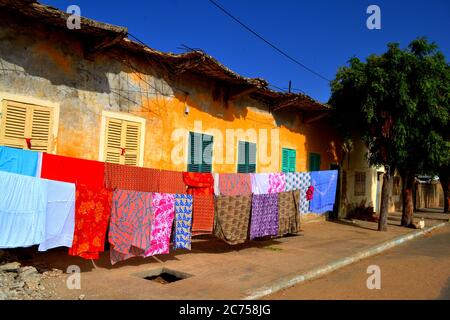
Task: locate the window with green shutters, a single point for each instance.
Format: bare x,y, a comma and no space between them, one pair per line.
246,157
314,162
200,152
288,160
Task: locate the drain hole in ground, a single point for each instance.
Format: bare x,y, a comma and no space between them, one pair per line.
164,278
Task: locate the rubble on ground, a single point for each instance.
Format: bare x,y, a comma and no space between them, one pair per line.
18,282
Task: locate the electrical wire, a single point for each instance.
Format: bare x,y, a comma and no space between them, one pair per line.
268,42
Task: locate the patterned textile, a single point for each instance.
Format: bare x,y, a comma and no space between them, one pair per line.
118,176
20,161
232,218
60,215
73,170
199,183
172,182
183,221
131,222
203,214
288,215
277,182
93,209
260,183
163,215
293,181
310,193
325,183
305,182
23,202
264,221
235,184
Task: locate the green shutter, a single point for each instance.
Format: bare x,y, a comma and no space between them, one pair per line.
288,160
200,152
246,157
251,168
207,151
314,162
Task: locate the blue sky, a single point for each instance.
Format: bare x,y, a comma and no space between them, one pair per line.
322,34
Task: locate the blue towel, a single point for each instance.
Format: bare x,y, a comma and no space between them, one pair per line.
60,215
23,202
19,161
324,183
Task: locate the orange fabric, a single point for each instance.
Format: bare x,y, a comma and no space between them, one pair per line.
172,182
93,209
199,183
203,214
123,177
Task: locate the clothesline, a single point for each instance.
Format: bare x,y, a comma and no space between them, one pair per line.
140,205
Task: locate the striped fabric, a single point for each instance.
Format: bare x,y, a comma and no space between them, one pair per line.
130,226
203,214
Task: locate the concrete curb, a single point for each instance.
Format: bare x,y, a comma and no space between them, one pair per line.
335,265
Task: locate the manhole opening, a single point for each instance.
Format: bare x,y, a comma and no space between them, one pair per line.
164,276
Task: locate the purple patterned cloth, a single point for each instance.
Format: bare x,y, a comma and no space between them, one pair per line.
264,220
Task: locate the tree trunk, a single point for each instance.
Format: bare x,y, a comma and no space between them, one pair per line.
444,177
384,205
407,195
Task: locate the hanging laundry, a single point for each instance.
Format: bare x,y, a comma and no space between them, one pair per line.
20,161
324,183
260,183
264,220
293,181
288,215
235,184
130,226
277,182
23,203
73,170
172,182
304,184
203,214
124,177
163,215
183,221
232,218
310,193
199,183
93,209
60,215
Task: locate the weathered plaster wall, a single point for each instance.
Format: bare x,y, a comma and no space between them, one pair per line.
49,65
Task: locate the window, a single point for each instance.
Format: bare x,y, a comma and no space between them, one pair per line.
288,160
246,157
200,152
360,183
314,162
27,126
122,139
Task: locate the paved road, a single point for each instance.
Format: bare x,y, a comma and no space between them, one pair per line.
416,270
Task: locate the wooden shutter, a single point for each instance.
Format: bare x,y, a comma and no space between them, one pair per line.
194,162
21,120
292,160
122,143
246,157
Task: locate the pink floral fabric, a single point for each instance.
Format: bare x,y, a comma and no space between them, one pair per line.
163,205
277,182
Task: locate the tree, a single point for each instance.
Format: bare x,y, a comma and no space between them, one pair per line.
397,103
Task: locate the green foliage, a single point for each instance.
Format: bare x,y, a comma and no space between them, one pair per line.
398,103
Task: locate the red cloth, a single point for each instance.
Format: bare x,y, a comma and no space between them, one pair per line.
203,214
172,182
235,184
73,170
123,177
199,183
93,209
310,193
